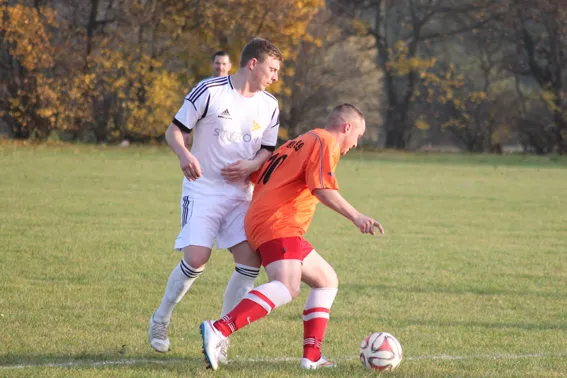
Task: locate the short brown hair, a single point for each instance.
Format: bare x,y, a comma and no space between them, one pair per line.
345,108
259,48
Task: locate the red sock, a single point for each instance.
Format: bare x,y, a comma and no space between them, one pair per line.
255,305
315,320
244,313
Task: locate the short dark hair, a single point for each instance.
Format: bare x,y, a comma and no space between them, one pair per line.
345,107
219,53
259,48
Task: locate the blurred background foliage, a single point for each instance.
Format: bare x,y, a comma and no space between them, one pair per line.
477,75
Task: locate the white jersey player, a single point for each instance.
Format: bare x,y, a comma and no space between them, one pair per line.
229,128
235,124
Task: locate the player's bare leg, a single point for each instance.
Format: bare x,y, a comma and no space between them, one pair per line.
317,273
287,272
244,254
179,282
247,267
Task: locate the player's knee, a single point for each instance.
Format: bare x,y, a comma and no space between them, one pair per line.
197,263
294,290
329,279
196,258
243,254
292,286
332,279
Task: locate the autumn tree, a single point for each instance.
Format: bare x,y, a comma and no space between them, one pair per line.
116,69
335,66
27,58
539,32
478,107
400,29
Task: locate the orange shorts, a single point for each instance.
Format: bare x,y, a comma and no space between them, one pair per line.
293,248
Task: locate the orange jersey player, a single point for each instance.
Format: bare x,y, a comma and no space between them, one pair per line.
300,174
283,203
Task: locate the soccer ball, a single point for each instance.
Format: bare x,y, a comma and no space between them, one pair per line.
380,351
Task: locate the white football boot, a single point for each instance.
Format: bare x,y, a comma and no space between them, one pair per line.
223,356
212,343
321,363
158,335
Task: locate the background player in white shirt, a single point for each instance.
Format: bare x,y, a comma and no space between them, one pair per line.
235,123
221,64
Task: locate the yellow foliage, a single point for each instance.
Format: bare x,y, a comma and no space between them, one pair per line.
402,64
138,91
477,97
452,123
148,95
25,32
360,26
421,124
501,132
163,95
550,100
283,133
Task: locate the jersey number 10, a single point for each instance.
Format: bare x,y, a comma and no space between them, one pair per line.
275,161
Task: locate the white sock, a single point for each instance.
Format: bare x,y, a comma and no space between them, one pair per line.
270,295
321,297
180,280
241,282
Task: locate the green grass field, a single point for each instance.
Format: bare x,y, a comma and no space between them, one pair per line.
471,275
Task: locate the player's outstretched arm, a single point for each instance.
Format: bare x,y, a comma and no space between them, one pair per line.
333,200
188,163
243,168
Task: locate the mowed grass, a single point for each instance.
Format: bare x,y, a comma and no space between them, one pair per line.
473,266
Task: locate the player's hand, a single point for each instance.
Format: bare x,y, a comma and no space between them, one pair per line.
367,225
190,166
239,171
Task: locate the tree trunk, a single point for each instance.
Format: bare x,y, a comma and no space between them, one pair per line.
395,128
560,125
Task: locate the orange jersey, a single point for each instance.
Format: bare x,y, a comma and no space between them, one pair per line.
283,203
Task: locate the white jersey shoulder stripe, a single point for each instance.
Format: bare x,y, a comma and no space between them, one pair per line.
270,95
197,92
210,80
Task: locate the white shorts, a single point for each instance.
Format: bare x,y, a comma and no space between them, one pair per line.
204,219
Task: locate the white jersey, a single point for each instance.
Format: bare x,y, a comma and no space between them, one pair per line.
228,127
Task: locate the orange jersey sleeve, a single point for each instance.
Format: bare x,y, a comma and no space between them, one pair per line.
283,203
320,168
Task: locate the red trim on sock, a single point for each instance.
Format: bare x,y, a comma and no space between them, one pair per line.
246,312
316,309
222,327
264,298
313,336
